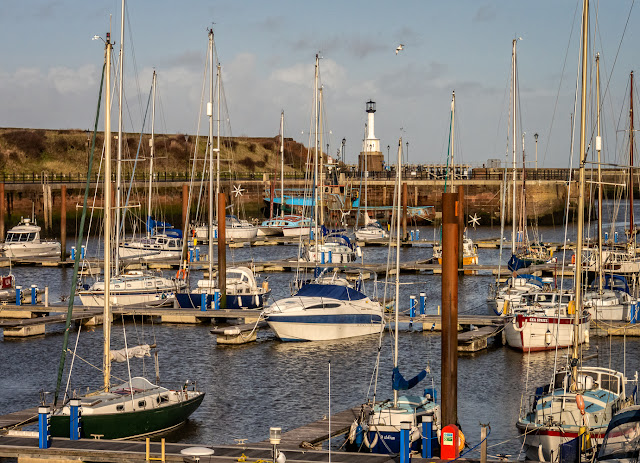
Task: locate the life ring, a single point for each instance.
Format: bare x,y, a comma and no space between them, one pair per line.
181,274
460,440
373,443
573,259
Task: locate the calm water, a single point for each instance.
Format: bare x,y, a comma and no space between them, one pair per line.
269,383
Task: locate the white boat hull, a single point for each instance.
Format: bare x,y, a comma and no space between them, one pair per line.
28,250
302,331
530,333
96,298
296,231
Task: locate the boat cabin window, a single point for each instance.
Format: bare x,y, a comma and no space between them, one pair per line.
163,398
323,306
610,383
161,241
120,408
173,244
142,403
565,299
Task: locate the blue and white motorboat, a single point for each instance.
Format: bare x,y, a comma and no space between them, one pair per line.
335,248
324,312
243,291
613,301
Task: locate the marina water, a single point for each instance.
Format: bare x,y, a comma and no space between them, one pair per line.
270,383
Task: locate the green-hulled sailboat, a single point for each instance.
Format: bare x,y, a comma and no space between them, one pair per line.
137,407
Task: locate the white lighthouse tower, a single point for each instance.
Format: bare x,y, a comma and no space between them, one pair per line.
371,147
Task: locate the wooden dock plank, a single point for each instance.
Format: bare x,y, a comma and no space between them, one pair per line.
19,418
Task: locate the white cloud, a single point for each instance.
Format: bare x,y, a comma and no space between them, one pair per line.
66,80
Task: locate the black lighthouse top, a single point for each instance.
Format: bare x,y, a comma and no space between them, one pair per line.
371,106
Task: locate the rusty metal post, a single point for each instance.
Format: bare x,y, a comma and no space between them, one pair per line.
451,208
63,222
404,211
222,251
460,226
185,208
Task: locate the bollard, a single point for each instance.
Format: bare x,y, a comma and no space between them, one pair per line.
75,424
216,299
215,234
34,294
18,295
427,433
322,258
606,237
73,253
311,235
203,302
417,234
412,235
423,303
46,296
633,316
615,237
83,250
44,434
330,257
412,306
405,442
197,254
483,446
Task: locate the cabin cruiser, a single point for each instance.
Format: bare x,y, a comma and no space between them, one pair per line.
155,247
23,242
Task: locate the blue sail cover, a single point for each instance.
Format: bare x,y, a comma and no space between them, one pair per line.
166,228
342,293
399,383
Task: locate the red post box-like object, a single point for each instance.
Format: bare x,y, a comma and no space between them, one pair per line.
450,442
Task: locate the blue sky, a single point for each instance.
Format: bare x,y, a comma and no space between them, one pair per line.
49,72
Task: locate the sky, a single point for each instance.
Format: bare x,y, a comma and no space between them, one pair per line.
50,69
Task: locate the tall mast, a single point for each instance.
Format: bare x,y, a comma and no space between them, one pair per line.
282,163
523,200
315,158
211,197
151,153
578,270
320,156
119,163
598,149
632,225
398,225
513,112
217,150
106,361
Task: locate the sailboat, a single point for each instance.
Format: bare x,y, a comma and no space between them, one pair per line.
469,250
136,407
380,428
290,224
241,286
578,396
134,287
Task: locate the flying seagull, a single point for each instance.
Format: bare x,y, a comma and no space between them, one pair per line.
400,47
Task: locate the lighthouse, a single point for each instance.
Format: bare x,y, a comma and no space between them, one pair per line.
371,158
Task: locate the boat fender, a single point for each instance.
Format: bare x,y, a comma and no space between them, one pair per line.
181,274
573,259
580,403
505,307
353,431
370,444
415,434
571,308
515,324
358,251
540,454
232,332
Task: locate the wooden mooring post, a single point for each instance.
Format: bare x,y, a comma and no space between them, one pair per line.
63,222
2,200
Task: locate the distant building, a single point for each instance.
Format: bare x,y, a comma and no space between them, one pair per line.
371,158
494,163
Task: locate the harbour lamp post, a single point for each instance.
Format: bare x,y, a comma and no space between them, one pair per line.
344,142
535,135
407,154
388,148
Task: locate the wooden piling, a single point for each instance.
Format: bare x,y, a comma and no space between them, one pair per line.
460,226
404,211
63,222
451,208
222,251
2,210
185,206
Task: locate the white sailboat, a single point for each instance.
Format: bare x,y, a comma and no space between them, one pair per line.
380,429
578,396
137,407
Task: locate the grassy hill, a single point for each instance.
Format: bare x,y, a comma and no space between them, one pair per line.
66,151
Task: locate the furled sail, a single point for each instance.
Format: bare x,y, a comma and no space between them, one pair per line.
399,383
141,351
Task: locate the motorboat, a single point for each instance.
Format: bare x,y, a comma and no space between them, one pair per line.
152,248
501,298
242,290
131,288
324,312
334,249
621,443
23,242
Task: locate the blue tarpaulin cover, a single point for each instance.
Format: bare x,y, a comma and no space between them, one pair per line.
399,383
342,293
